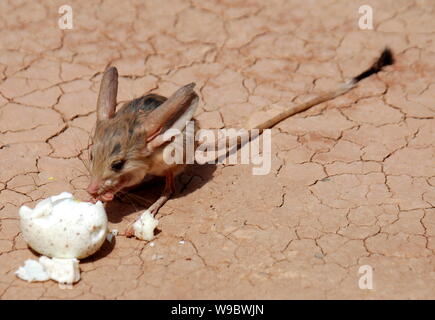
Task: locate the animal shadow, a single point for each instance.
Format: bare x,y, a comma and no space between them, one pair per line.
140,197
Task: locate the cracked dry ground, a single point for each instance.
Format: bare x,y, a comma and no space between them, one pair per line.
352,180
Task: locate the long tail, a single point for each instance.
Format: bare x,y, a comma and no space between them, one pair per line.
385,59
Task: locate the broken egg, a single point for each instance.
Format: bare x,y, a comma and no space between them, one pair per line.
63,227
61,270
144,226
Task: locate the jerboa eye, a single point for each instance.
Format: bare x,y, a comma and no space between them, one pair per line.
117,165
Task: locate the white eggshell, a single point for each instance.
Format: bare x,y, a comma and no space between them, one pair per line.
63,227
61,270
32,271
144,226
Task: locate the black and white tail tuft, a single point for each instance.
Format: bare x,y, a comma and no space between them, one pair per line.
386,58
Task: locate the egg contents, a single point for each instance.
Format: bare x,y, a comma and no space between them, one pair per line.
144,226
63,227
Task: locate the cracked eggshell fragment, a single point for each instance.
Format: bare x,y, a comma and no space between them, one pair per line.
61,270
144,226
111,235
32,271
62,227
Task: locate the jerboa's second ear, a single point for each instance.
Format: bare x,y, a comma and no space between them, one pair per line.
106,102
174,113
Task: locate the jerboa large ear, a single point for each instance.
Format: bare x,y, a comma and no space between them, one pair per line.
106,102
177,110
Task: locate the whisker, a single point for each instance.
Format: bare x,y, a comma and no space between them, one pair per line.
147,201
80,151
131,202
85,164
80,170
87,150
137,197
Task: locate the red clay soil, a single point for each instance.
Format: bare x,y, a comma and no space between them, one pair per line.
352,180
